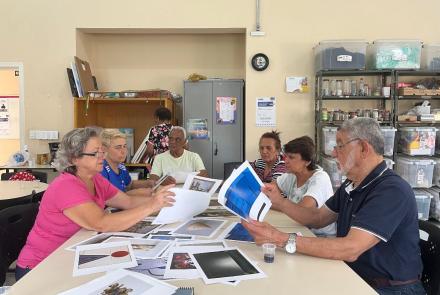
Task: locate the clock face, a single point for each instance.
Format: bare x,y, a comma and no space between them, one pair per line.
260,62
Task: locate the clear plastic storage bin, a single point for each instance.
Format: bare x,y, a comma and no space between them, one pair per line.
331,167
328,139
389,162
434,207
396,54
418,172
417,141
388,134
436,176
423,200
340,55
431,57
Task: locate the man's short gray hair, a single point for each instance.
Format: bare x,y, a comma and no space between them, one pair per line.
366,129
71,147
181,130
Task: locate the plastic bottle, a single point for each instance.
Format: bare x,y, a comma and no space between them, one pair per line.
361,87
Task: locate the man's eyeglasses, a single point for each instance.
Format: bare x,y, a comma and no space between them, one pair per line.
341,146
95,154
120,147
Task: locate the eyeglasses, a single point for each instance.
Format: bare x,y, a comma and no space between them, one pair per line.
341,146
95,154
120,147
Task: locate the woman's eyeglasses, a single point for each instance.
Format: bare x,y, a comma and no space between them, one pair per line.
95,154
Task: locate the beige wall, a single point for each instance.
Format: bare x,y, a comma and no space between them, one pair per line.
9,86
42,35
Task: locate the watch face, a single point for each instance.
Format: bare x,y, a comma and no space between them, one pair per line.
260,61
290,248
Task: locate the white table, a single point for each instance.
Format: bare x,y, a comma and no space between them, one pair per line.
17,189
27,167
289,274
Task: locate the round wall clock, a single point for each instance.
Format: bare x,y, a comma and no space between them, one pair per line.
260,62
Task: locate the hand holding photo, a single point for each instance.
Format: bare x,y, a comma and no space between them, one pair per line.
241,194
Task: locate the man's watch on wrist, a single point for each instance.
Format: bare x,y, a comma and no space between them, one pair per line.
290,246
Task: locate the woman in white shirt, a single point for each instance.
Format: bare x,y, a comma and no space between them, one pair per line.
305,183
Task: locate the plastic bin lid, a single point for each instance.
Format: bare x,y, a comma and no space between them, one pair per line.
397,41
387,128
343,41
416,161
328,128
423,196
431,45
426,128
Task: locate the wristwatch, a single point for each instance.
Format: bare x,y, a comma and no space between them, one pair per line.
291,244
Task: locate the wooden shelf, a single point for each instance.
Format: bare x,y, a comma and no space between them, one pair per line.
121,100
136,113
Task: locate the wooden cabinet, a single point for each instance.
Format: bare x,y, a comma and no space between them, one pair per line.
136,113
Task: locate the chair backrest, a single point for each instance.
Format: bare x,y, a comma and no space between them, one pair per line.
430,248
229,167
15,225
41,176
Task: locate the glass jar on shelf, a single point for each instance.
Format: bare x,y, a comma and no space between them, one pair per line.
333,87
325,87
347,88
339,88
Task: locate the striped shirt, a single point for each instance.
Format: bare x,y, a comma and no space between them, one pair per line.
277,169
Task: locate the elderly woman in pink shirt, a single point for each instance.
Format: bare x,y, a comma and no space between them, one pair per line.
77,197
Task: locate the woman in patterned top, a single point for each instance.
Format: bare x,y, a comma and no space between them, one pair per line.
157,142
271,164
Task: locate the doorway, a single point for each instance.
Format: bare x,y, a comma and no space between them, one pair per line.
11,110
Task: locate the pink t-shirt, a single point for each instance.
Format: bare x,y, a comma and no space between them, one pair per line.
52,228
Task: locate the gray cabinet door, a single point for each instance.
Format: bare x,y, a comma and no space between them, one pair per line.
197,104
225,143
227,139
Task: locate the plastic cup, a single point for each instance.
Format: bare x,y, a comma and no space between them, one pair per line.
269,252
4,290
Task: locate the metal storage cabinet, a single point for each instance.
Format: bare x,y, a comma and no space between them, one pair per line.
225,142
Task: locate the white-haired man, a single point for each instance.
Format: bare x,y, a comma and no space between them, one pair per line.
376,213
177,159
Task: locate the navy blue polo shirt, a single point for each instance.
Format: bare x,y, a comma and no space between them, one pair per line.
121,180
385,206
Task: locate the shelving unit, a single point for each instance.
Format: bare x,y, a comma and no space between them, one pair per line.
136,113
394,103
320,99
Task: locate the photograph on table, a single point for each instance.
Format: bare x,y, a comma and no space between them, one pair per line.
202,184
99,238
236,232
169,237
103,257
225,265
123,282
215,213
142,228
180,266
241,194
200,245
203,227
143,248
154,268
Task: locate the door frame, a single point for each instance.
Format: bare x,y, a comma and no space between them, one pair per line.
18,66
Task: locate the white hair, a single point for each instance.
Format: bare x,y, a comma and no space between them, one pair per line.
181,129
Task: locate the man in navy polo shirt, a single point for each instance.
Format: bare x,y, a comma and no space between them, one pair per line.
376,214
